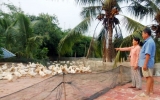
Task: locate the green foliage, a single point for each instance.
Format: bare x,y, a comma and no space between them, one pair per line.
37,37
47,25
88,2
96,50
19,35
90,11
131,25
73,35
157,57
80,47
138,9
28,42
42,53
1,45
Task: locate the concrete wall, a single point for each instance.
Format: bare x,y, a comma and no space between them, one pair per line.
98,65
157,69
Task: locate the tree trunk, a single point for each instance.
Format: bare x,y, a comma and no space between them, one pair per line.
89,49
104,49
109,51
75,54
85,48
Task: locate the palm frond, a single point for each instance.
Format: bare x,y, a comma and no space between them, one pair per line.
33,23
92,11
101,34
157,56
118,32
33,44
97,52
126,42
4,23
24,27
37,38
88,2
131,25
11,7
8,32
68,41
126,1
11,39
99,40
139,9
11,26
110,4
152,4
157,2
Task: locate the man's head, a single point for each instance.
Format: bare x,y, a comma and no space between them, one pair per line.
146,33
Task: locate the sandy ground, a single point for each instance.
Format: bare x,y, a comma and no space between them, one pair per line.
86,86
18,84
82,85
7,87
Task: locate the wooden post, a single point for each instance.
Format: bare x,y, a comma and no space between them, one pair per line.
64,87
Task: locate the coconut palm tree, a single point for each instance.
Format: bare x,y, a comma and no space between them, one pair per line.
8,31
93,10
28,42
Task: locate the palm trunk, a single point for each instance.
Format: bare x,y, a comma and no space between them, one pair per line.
109,51
104,49
89,49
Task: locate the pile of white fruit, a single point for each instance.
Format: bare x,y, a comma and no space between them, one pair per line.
8,72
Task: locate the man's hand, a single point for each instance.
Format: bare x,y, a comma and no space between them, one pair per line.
135,67
145,68
146,62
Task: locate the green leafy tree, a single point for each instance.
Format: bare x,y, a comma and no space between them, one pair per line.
46,24
80,48
29,42
18,33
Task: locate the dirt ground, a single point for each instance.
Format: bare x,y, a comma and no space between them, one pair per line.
78,86
82,85
18,84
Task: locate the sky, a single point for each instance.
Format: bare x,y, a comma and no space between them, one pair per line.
67,12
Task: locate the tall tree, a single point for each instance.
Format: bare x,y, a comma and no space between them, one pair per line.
93,9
